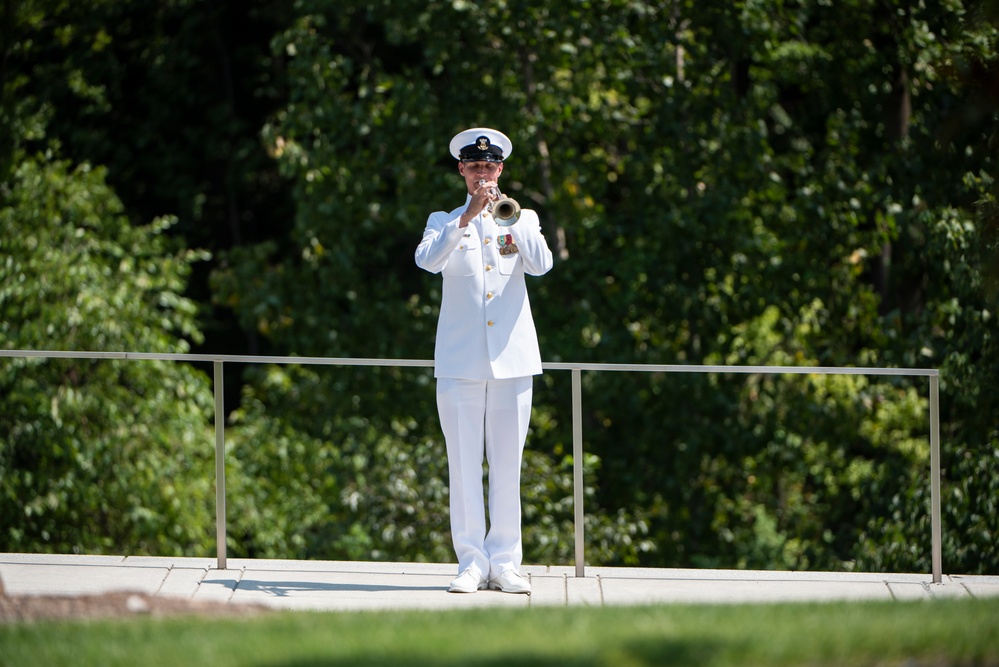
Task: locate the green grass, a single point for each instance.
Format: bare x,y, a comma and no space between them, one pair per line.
882,634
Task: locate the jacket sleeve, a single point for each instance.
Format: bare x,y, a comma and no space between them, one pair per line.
440,237
531,243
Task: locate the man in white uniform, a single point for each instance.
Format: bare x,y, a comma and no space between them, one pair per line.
485,358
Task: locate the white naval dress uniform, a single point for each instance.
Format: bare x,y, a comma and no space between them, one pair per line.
484,359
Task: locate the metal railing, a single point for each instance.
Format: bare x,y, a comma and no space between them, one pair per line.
577,410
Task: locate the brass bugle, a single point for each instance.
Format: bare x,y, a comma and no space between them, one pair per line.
504,209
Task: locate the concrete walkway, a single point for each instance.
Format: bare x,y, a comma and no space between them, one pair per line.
350,586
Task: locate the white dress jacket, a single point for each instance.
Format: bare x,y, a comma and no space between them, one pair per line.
485,330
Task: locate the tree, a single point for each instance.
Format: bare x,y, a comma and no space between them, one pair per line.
97,456
725,184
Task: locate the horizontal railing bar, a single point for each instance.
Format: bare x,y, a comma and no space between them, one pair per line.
228,358
63,354
428,363
772,370
315,361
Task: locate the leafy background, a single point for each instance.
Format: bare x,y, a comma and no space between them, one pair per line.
761,183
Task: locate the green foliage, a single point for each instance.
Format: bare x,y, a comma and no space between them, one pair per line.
96,455
749,183
725,185
343,483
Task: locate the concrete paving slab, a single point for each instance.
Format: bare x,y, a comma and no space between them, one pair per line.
979,586
908,591
947,590
988,579
182,582
346,586
559,570
352,588
183,576
584,591
60,559
218,586
79,579
623,591
169,562
285,585
372,567
754,575
547,589
982,590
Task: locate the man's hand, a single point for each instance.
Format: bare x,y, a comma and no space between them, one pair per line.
486,192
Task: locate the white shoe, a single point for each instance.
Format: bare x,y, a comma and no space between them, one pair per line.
468,581
511,582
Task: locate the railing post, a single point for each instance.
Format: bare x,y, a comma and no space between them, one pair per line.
220,527
577,470
935,520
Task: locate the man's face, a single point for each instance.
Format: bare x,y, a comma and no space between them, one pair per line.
479,171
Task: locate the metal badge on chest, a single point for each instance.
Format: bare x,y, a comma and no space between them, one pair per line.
506,244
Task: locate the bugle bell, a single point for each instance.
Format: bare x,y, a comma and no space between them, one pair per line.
504,209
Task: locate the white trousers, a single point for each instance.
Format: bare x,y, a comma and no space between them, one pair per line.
487,417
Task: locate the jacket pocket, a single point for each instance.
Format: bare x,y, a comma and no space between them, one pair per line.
463,260
507,263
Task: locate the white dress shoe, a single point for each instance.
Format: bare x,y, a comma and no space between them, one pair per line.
511,582
468,581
